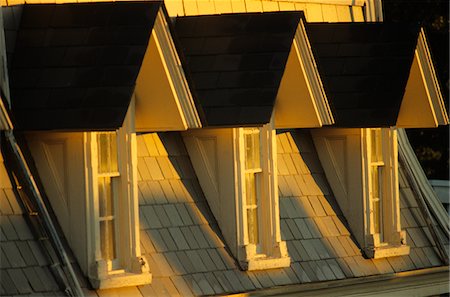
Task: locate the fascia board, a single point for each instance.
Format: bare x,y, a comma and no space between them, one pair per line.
174,109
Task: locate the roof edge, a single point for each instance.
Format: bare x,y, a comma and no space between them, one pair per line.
312,72
422,282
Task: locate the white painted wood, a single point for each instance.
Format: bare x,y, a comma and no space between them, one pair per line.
301,89
218,157
163,98
345,157
216,175
59,161
422,105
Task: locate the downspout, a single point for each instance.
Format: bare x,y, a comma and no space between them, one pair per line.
74,289
418,182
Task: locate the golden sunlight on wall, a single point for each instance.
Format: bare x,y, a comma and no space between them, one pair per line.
314,12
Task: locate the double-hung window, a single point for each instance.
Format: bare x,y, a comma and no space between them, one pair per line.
377,182
260,242
236,168
108,179
253,179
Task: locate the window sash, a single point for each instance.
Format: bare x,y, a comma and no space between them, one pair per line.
107,180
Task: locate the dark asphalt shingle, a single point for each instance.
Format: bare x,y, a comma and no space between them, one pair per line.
364,68
235,63
74,66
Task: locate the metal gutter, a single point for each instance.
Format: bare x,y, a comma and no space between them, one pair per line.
423,282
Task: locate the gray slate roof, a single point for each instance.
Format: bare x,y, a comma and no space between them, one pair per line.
185,249
183,244
364,68
235,63
74,66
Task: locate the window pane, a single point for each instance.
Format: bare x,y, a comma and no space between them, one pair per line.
376,215
252,223
375,138
103,152
252,150
107,240
105,197
375,182
107,152
250,188
113,152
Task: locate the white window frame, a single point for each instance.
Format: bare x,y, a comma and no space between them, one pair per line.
390,240
130,267
270,251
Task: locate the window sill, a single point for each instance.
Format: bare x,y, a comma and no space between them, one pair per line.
125,279
387,251
278,258
104,279
264,263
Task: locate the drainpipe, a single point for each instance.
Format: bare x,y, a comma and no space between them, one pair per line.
74,289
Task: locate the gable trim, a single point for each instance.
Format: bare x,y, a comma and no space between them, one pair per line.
432,83
162,88
422,104
313,76
176,72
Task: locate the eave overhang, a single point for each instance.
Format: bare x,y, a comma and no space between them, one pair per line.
301,100
163,98
422,104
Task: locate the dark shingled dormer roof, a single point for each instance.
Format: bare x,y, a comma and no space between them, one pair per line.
364,68
235,63
74,66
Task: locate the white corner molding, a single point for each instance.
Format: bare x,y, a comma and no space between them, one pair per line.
301,89
417,174
422,104
163,98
